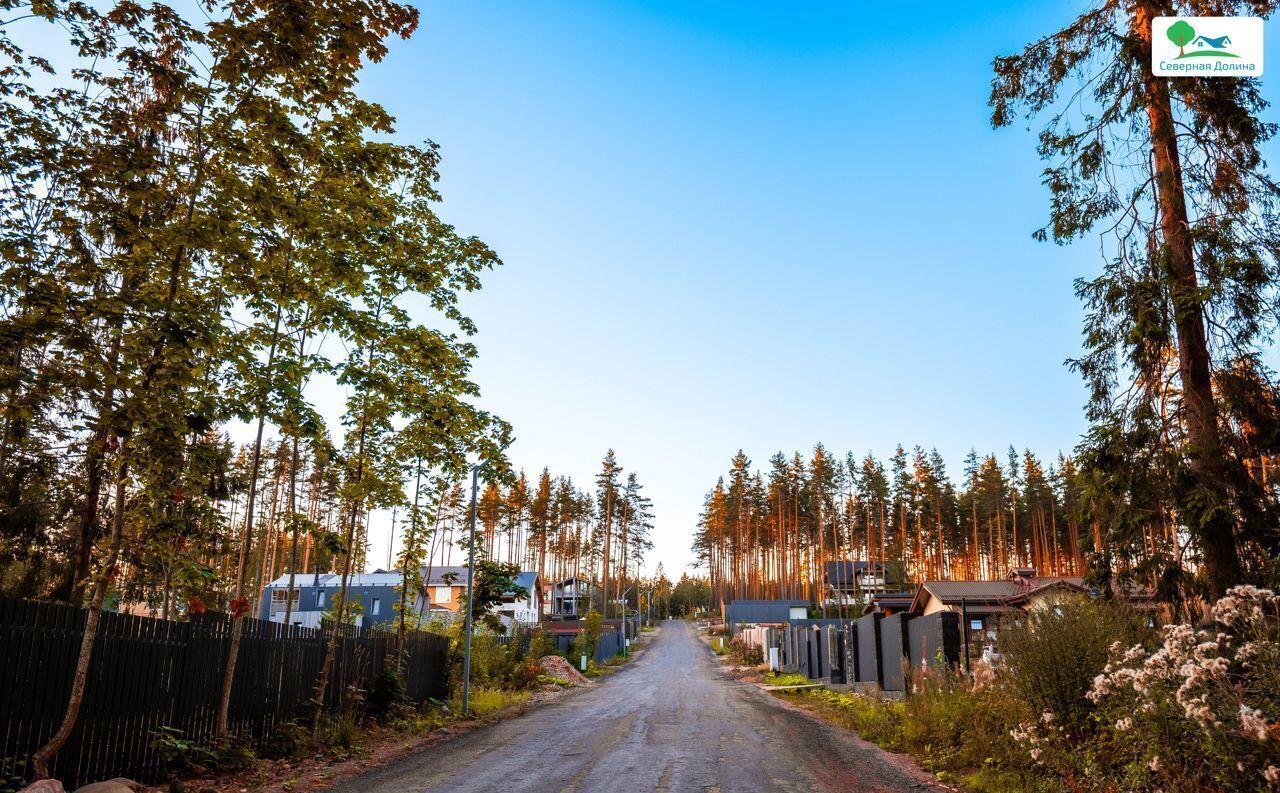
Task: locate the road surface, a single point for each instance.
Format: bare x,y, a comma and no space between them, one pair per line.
669,721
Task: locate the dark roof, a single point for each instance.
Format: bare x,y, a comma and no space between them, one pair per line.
846,573
985,596
762,611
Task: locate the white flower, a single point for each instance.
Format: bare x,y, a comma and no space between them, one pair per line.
1154,765
1272,775
1252,723
1124,724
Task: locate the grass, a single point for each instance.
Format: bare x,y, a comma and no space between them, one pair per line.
486,701
960,735
786,680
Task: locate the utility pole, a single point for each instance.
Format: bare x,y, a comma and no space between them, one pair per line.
471,567
471,572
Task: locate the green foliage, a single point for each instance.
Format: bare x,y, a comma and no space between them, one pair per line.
1056,651
386,695
492,581
177,754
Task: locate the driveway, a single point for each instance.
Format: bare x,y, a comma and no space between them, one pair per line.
669,721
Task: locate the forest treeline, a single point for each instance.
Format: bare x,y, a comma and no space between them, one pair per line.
554,527
767,534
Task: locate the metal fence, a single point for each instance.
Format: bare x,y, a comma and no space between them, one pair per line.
873,649
150,673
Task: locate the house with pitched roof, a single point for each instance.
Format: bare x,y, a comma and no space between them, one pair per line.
988,605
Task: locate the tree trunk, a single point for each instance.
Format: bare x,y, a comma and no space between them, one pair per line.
1214,526
40,760
237,610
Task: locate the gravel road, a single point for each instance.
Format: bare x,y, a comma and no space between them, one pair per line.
669,721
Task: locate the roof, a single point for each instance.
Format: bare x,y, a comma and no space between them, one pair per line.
847,573
335,580
989,595
445,575
1071,585
759,611
527,580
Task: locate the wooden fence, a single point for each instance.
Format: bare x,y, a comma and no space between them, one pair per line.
150,673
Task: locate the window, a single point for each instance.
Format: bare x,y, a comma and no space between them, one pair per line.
320,599
443,594
975,625
376,609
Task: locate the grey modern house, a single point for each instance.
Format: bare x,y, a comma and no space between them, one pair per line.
373,596
763,612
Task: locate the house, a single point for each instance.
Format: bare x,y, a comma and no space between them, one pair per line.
764,612
849,583
567,599
988,604
888,603
522,607
370,596
446,588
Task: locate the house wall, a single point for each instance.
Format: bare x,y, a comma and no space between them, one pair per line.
308,609
933,606
455,597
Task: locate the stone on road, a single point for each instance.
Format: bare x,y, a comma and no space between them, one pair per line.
670,721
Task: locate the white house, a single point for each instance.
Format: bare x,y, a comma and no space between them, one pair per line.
524,609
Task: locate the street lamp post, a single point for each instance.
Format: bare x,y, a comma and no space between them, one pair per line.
471,567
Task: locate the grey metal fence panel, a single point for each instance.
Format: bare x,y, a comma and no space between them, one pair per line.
934,640
849,651
893,650
869,649
833,638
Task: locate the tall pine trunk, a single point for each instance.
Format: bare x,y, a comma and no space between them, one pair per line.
1214,526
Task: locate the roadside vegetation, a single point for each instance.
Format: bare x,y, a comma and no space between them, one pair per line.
1087,698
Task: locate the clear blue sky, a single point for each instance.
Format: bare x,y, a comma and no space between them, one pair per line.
721,230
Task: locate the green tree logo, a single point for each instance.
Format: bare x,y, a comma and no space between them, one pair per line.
1181,34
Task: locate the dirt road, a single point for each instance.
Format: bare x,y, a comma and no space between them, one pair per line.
668,722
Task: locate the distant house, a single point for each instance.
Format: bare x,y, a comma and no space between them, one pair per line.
988,605
567,599
850,583
524,608
446,587
888,603
764,612
371,595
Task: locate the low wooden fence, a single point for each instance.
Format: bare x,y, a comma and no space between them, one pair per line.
146,674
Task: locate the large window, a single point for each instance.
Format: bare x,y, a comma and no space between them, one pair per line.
376,608
443,594
278,597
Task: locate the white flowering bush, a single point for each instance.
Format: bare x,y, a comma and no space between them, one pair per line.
1200,711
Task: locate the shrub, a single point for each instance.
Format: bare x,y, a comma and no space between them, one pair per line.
387,694
744,653
1053,655
1201,711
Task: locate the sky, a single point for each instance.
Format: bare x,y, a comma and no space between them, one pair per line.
746,225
